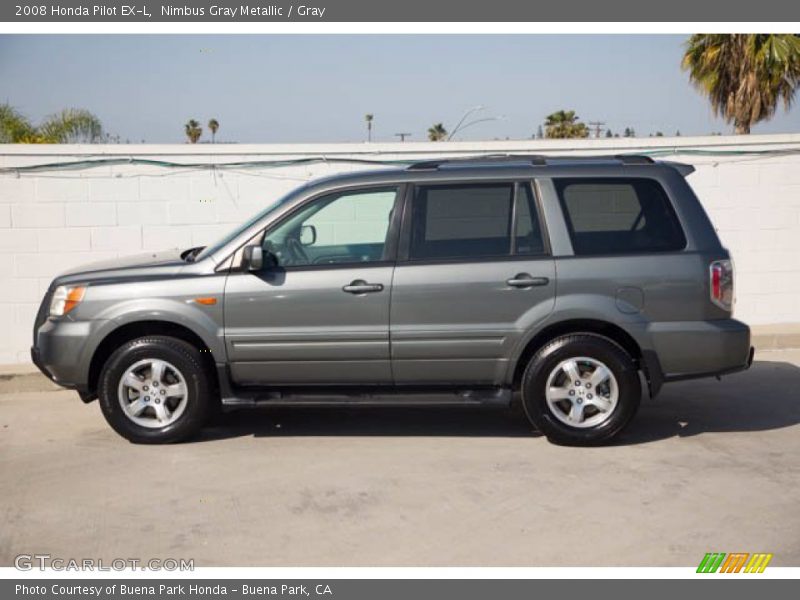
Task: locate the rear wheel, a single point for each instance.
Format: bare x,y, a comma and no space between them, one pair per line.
154,390
581,390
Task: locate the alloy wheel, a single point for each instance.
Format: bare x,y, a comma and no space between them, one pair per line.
153,393
582,392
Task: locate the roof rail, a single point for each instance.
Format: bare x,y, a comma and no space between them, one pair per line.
431,165
634,159
536,160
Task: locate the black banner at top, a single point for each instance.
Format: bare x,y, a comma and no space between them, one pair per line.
407,10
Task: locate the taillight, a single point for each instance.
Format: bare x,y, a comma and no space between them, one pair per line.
721,283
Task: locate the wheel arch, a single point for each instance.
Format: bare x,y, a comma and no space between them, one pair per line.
605,329
136,329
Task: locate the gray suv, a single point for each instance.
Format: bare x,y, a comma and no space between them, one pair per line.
573,281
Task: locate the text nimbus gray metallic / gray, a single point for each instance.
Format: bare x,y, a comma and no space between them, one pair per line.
242,11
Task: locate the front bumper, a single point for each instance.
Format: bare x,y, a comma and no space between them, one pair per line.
37,360
61,352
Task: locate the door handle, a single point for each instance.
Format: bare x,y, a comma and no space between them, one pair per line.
359,286
524,280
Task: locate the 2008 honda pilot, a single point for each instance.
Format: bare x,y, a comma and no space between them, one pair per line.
569,280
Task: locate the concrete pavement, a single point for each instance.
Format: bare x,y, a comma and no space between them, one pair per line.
708,466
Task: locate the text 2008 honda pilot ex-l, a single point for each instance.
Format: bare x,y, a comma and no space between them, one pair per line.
568,280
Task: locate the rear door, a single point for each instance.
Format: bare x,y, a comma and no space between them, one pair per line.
474,274
321,316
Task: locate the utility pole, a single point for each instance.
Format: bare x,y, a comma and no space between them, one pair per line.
369,118
402,136
597,125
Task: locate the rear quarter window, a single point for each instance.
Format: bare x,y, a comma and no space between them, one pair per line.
619,216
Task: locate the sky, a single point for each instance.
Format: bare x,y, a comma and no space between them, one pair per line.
317,88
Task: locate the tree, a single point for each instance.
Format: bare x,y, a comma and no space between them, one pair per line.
609,134
565,124
70,126
437,132
213,127
193,131
368,118
13,125
629,132
745,76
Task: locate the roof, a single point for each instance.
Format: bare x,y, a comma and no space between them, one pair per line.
489,167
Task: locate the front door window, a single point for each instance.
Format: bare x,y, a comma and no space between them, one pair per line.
343,228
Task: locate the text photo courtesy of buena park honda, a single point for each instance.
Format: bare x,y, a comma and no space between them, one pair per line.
399,300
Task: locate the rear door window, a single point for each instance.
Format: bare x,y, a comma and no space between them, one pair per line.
453,221
619,216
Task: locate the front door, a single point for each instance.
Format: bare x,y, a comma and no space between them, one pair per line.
322,315
474,276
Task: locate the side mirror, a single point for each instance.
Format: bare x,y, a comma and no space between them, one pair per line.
308,235
253,258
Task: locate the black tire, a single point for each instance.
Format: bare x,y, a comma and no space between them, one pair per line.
183,356
601,349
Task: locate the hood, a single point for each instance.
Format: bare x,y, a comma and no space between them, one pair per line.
151,264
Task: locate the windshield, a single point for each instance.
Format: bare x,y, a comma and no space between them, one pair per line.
216,247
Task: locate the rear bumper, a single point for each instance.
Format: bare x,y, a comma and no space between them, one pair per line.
728,371
694,349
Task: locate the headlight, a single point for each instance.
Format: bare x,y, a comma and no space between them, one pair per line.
65,298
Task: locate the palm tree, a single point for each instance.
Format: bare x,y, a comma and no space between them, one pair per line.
437,132
13,125
193,131
70,126
565,124
368,118
744,75
213,126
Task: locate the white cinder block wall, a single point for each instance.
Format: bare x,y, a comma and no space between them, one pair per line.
54,219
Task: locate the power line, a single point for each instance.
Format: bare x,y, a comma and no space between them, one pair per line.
79,165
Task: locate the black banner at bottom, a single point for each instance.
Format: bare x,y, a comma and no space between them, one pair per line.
734,587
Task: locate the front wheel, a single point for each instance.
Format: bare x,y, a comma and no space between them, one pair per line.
581,390
154,390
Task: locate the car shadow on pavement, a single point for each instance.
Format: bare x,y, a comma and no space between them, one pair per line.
434,421
763,398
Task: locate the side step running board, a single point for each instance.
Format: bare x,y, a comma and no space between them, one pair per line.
496,397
